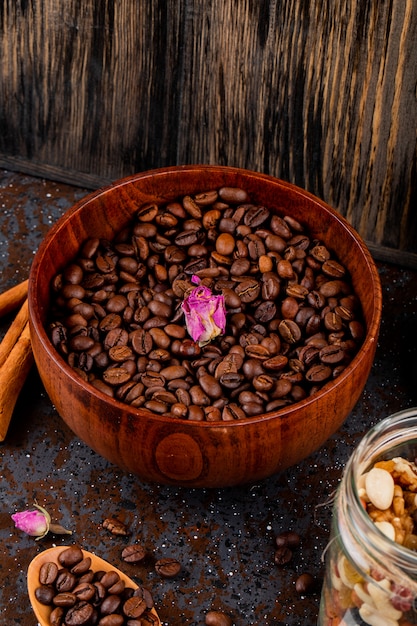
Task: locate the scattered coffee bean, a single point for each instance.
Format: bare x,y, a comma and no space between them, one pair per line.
168,567
217,618
305,584
134,553
288,538
70,556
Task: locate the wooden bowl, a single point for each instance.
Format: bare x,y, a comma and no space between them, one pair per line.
174,451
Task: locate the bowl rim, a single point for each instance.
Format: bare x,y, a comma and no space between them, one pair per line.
368,344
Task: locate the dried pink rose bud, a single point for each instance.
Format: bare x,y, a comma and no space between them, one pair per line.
37,523
205,314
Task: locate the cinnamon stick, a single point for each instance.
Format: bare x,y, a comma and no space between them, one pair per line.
13,333
13,374
13,297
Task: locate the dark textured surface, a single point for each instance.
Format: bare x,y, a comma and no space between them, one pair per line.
223,538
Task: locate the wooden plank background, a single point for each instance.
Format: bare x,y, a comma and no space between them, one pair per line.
322,94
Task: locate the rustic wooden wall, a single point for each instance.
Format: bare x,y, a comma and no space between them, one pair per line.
322,94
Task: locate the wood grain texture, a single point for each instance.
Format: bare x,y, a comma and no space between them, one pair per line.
320,94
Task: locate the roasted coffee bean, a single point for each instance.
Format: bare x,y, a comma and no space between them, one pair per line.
288,538
110,322
168,567
253,367
305,584
116,376
290,308
333,288
356,330
318,373
266,311
217,618
80,614
255,216
65,581
110,604
134,607
56,617
289,331
231,380
145,594
248,290
206,198
105,264
175,331
256,247
44,594
101,591
119,320
282,556
90,247
118,587
198,396
331,354
212,414
141,341
81,567
233,195
240,267
232,412
73,274
156,406
147,213
275,363
84,591
285,270
263,382
195,413
211,386
134,553
64,599
333,269
113,619
172,372
225,244
109,579
257,351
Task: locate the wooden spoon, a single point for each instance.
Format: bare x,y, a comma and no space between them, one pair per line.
42,611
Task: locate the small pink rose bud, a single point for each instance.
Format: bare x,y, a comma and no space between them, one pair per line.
205,314
37,523
34,523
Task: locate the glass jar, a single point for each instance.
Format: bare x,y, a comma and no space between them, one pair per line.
371,578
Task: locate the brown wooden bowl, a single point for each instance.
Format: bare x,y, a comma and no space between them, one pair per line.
174,451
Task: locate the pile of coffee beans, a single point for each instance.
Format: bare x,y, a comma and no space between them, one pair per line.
293,322
79,596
